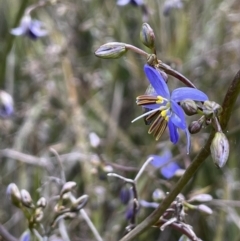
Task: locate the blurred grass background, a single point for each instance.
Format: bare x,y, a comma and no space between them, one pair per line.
62,93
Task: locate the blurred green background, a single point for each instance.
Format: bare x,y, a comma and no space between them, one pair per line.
63,93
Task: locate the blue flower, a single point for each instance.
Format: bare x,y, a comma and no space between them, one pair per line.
168,170
6,104
31,28
133,2
164,108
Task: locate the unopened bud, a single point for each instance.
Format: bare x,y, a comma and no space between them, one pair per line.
26,199
38,216
147,36
125,194
203,197
189,107
220,149
211,107
158,195
113,50
196,126
14,194
6,104
204,208
42,202
67,187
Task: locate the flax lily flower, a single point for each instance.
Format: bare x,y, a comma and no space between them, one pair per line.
164,108
29,27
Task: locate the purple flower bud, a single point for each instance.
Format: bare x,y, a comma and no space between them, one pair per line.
6,104
125,195
31,28
189,107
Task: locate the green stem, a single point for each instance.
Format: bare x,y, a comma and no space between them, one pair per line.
9,42
228,105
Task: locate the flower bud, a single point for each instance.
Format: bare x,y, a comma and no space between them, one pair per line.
220,149
205,209
211,107
125,195
189,107
67,187
38,216
14,194
26,199
42,202
6,104
147,36
196,126
203,197
113,50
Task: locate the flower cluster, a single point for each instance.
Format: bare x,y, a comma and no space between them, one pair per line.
164,108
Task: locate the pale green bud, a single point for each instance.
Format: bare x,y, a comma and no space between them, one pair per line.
67,187
14,194
38,215
113,50
220,149
211,107
26,199
147,36
42,202
205,209
189,107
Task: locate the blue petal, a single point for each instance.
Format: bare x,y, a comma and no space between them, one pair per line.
184,93
151,106
36,30
173,132
169,170
18,31
158,161
177,117
157,81
123,2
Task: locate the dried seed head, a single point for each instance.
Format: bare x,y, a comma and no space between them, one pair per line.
147,36
14,194
113,50
220,149
189,107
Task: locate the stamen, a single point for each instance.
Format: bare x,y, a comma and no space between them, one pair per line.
158,133
146,99
155,124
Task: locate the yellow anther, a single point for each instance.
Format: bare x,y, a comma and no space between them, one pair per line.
164,114
159,99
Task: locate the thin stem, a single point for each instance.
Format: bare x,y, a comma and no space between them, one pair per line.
6,235
175,74
228,105
90,225
136,50
143,168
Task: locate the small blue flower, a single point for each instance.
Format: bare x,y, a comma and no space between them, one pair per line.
31,28
6,104
164,108
133,2
168,170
